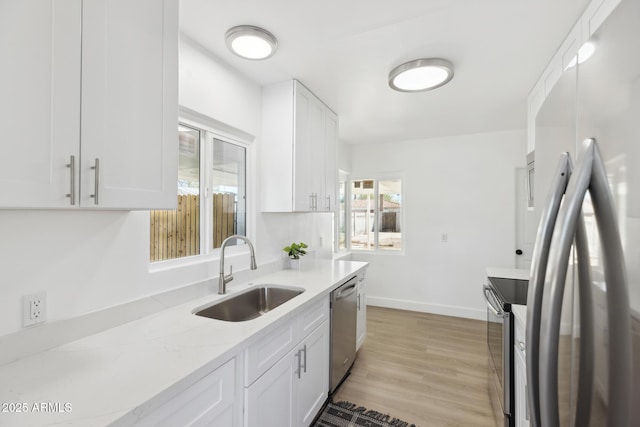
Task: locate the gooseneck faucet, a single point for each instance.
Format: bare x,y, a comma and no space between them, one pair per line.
223,280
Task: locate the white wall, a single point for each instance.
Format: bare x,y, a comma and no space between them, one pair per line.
344,156
212,88
463,186
91,260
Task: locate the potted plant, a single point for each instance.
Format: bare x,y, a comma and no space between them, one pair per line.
294,252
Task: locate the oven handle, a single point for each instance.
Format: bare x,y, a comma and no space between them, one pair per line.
492,302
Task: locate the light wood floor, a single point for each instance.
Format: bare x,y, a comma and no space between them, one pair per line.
426,369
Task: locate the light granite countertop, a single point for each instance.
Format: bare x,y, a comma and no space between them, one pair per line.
116,376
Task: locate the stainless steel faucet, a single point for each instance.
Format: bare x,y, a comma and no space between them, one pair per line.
223,280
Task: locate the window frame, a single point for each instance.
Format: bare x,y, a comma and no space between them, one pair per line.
211,129
343,176
377,178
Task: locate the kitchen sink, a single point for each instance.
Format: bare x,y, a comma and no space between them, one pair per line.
250,304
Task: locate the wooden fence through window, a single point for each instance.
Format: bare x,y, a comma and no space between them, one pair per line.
224,217
176,233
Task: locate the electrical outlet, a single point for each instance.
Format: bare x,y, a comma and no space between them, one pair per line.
445,237
34,309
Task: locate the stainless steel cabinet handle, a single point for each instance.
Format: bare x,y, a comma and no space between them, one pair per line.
328,203
313,201
540,258
305,358
96,190
589,176
299,370
358,302
72,180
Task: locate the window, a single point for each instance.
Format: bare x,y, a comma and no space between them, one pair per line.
342,212
376,215
211,205
229,185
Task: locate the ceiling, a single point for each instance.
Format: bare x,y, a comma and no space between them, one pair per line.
343,50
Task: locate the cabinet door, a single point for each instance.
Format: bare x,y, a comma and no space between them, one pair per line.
596,13
271,401
315,168
209,402
307,120
361,325
522,406
277,145
130,103
313,381
330,145
40,101
265,352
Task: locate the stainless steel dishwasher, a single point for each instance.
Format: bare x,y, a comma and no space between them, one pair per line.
343,331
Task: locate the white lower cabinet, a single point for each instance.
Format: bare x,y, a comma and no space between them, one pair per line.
520,372
522,406
209,402
312,382
361,322
270,401
280,380
292,391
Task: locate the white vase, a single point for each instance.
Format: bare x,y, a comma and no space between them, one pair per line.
292,264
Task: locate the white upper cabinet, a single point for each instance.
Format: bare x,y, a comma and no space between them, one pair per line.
563,60
92,80
40,101
130,103
331,161
298,146
595,14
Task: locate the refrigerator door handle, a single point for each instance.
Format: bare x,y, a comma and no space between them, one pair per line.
589,176
587,347
539,262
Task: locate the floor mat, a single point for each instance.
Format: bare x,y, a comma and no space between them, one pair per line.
347,414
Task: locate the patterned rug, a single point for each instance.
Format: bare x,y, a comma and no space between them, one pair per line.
346,414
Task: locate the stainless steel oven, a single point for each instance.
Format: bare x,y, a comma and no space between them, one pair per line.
500,293
500,345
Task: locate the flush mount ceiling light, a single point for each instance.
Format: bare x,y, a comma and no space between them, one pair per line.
420,75
251,42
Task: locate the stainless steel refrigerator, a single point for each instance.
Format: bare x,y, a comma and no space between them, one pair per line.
583,305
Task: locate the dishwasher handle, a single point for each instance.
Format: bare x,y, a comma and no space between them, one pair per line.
344,291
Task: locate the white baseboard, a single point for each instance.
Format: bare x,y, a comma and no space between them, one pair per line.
446,310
